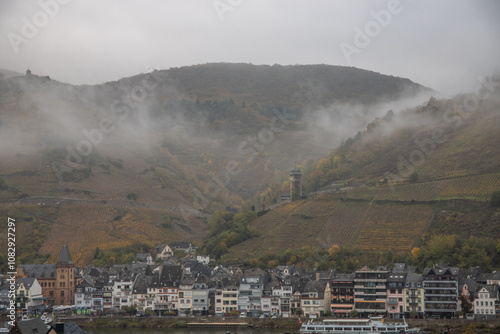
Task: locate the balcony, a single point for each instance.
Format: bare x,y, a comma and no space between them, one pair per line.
441,301
441,295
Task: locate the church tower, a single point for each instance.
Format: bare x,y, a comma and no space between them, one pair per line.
295,183
65,278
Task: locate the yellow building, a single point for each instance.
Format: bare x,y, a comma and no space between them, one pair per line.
226,300
29,298
413,295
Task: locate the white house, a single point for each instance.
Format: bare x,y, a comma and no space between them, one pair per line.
122,294
163,251
83,295
205,259
484,304
284,292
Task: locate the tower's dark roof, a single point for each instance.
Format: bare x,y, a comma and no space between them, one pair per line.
64,256
295,170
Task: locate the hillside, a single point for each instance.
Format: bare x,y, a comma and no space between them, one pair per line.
142,159
403,193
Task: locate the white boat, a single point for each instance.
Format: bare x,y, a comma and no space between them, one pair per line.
357,326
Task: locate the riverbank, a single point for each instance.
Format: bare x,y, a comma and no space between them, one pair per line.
180,322
438,326
456,326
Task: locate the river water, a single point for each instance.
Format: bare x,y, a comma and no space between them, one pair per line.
182,331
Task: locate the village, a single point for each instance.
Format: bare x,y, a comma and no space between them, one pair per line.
162,284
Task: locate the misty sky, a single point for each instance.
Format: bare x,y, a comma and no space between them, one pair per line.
444,45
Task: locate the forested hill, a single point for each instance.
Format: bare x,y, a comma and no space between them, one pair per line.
137,149
297,87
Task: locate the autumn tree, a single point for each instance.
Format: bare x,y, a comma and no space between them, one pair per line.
415,252
333,251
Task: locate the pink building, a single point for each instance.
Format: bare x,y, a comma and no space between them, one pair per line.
395,303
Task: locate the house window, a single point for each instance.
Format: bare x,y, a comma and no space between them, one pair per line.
62,293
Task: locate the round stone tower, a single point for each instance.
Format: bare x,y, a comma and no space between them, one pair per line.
295,183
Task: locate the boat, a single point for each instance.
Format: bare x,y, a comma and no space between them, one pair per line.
374,325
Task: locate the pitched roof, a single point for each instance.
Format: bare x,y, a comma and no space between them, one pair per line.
398,267
171,275
64,256
27,282
142,256
94,272
491,288
181,245
40,270
441,271
316,286
32,326
414,277
71,328
341,277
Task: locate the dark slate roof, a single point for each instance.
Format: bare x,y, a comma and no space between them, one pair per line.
181,245
413,277
149,271
471,284
28,282
84,284
295,170
471,272
200,268
142,256
495,276
411,269
170,275
441,271
94,272
32,326
396,277
398,267
64,256
316,286
142,283
491,288
340,277
71,328
40,270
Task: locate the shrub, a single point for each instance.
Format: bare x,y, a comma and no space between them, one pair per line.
495,199
132,196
